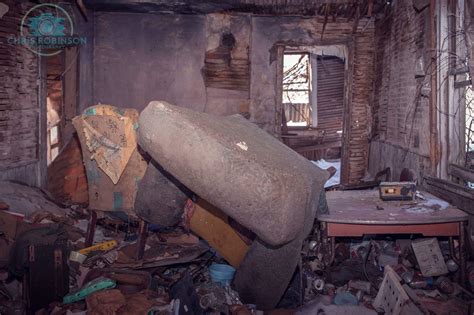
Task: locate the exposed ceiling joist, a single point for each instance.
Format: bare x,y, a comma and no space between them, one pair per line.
338,8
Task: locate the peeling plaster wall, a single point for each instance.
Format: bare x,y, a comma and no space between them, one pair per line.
234,99
402,86
143,57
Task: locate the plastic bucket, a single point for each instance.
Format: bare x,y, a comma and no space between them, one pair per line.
222,274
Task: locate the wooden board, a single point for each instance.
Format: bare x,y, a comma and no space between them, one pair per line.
211,224
391,296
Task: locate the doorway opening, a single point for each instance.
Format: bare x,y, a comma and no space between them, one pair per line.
61,74
313,102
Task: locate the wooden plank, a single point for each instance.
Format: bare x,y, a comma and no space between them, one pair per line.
460,196
359,230
391,297
461,84
211,224
325,145
461,172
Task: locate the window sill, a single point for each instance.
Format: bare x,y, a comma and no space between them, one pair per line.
299,128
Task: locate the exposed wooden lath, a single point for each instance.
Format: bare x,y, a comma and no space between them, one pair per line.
224,72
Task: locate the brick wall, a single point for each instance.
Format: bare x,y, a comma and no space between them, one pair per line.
19,108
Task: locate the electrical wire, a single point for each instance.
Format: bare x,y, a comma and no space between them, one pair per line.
364,266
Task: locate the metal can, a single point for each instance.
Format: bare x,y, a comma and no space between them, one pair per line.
452,265
444,285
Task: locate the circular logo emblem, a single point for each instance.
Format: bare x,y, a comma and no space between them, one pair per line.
44,26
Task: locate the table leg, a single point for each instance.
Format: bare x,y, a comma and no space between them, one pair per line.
91,228
462,252
302,289
333,249
329,244
142,237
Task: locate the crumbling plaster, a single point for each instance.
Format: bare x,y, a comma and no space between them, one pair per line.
143,57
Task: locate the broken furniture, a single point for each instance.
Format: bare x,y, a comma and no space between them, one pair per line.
160,197
391,297
234,165
249,175
356,213
113,164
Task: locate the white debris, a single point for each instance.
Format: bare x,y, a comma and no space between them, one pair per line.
336,178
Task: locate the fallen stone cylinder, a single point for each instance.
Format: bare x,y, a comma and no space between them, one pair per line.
234,165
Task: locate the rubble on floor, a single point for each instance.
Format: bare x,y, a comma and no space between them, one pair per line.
147,244
180,273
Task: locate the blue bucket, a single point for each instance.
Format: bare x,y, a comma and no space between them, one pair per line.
222,274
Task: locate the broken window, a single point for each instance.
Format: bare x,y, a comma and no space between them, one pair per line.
297,90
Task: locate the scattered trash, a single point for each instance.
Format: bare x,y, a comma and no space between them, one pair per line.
391,297
429,257
98,247
90,288
77,257
343,298
222,274
444,285
190,258
452,265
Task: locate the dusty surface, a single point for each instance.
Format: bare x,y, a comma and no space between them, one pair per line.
365,207
26,200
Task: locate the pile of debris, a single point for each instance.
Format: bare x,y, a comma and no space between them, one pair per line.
385,275
187,214
46,268
50,271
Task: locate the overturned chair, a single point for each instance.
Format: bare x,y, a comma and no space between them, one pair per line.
248,174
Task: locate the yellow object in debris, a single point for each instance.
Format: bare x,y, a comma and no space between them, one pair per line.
102,246
211,224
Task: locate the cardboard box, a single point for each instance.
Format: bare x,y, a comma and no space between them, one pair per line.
429,257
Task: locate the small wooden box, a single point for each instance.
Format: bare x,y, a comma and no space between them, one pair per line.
397,190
